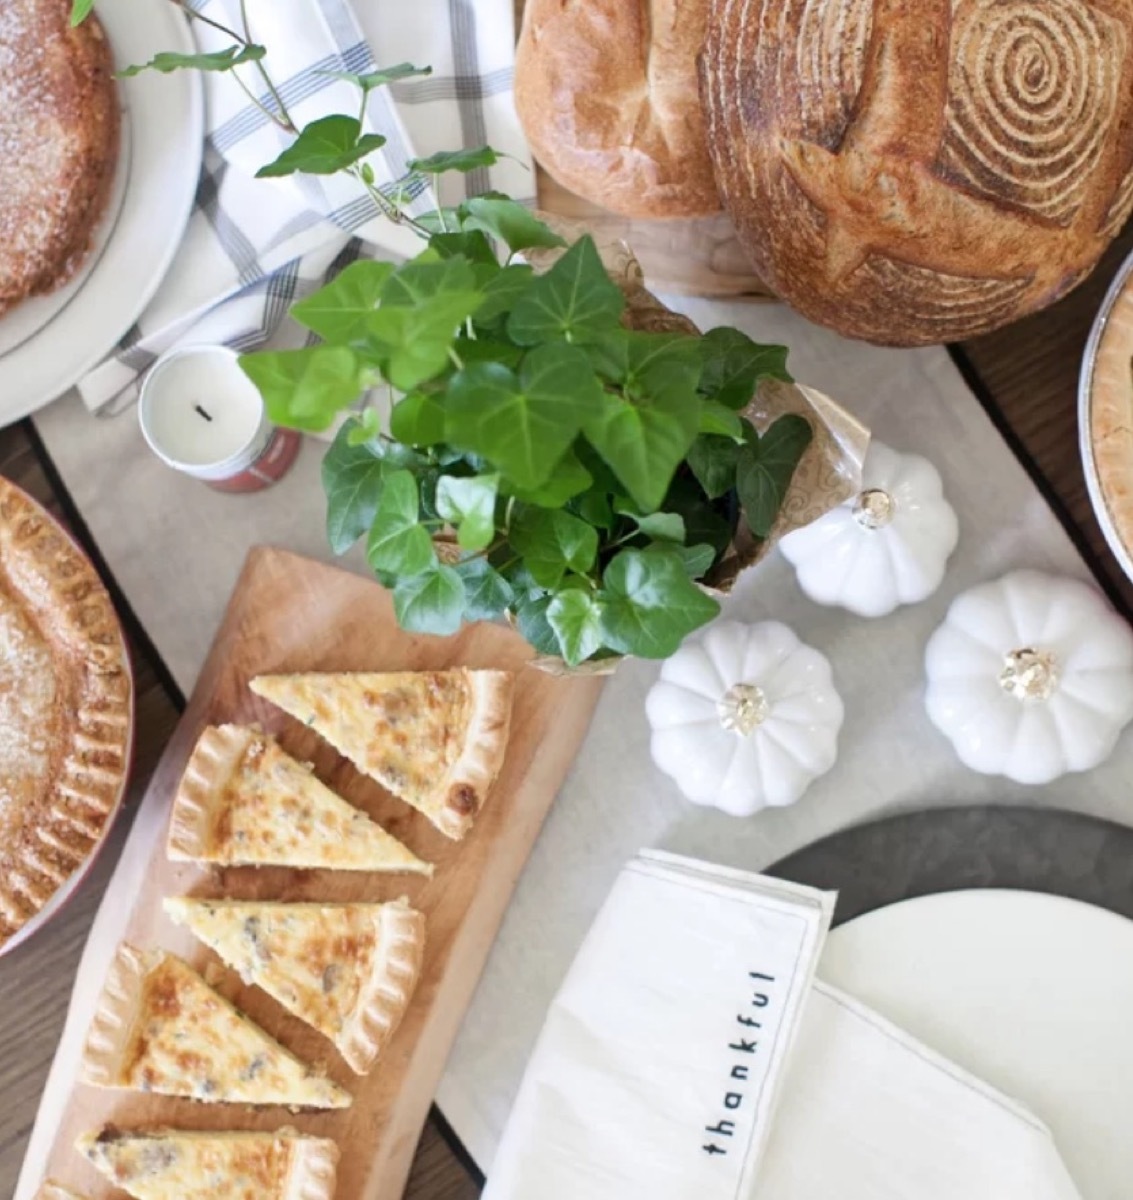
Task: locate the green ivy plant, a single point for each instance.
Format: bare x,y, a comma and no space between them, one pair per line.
542,459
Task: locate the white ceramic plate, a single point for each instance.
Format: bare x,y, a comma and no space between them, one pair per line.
55,341
1032,993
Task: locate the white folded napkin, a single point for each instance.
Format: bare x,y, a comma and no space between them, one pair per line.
690,1054
253,245
656,1072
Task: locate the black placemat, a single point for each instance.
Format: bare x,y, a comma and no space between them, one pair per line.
952,849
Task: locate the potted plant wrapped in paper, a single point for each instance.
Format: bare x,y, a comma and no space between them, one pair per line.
546,457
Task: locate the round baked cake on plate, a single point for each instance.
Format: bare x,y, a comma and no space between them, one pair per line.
59,132
66,713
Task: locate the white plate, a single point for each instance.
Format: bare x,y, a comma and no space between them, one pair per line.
1032,993
164,115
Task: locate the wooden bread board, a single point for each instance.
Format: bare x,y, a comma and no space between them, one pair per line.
291,614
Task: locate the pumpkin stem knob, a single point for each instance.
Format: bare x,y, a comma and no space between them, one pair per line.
874,509
743,708
1029,674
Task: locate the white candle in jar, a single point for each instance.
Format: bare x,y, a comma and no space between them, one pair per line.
203,416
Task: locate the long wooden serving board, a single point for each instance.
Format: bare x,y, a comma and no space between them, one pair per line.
291,614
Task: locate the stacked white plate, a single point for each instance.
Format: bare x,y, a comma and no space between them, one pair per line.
48,343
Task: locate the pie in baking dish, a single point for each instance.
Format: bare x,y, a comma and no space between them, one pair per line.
160,1028
1111,414
165,1164
348,970
65,709
244,802
435,739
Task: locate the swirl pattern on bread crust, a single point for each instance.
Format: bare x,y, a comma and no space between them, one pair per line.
911,173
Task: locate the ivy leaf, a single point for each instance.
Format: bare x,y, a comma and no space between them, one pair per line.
734,365
324,147
80,10
644,443
704,523
660,526
377,79
719,421
566,481
503,291
509,222
531,620
432,602
471,245
766,466
425,278
489,349
338,311
414,342
455,160
594,508
523,424
352,480
553,542
398,544
713,461
469,503
418,420
576,618
487,594
306,388
166,63
643,363
365,429
575,300
697,559
649,603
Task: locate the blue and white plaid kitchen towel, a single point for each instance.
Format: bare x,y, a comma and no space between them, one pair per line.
255,245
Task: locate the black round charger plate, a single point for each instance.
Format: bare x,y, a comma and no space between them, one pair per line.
954,849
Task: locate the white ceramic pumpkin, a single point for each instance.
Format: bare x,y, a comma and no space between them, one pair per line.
744,716
1031,676
886,546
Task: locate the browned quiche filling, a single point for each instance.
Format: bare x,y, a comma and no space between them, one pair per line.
64,709
59,131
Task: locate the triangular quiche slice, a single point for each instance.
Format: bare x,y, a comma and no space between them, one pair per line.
348,970
242,801
160,1028
166,1164
435,739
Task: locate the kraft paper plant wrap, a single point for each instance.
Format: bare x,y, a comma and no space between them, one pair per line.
829,473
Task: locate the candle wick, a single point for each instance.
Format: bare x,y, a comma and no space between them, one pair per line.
201,410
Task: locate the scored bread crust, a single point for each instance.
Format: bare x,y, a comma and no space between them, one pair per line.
607,94
312,1161
902,172
60,128
462,792
110,1039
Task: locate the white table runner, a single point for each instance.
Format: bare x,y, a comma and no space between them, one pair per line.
176,549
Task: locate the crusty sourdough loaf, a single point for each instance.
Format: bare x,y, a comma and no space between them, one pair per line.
912,173
607,93
59,124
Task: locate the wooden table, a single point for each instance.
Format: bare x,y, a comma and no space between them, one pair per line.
1027,378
